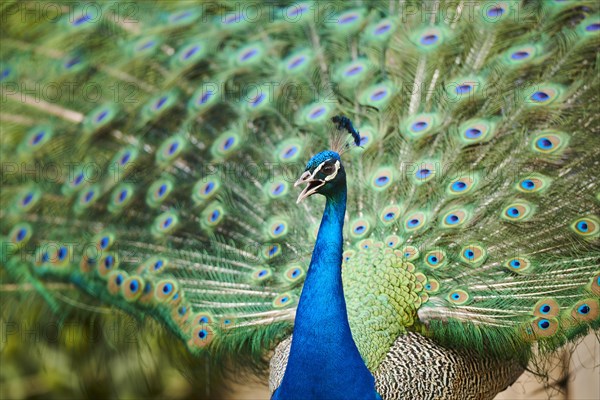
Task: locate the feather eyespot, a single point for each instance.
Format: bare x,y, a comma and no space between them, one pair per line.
426,171
283,300
87,198
384,27
212,215
432,286
410,253
166,290
462,186
585,310
278,188
517,211
56,256
74,182
364,244
289,150
262,274
435,259
202,100
189,54
158,192
429,39
297,62
258,101
115,280
588,227
420,125
170,150
455,218
145,45
519,55
382,179
250,54
352,73
543,327
348,17
121,197
156,107
458,297
359,228
20,234
593,27
353,70
227,322
533,184
107,263
99,118
347,255
183,17
205,189
35,139
158,265
271,251
104,240
495,12
393,241
377,95
201,337
294,273
549,142
390,214
518,265
544,95
546,308
132,288
464,88
202,319
414,221
316,113
165,224
543,324
476,131
153,265
277,228
473,254
27,199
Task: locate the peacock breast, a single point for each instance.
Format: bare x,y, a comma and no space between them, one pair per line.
383,292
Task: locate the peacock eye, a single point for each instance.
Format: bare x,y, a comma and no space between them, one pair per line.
328,169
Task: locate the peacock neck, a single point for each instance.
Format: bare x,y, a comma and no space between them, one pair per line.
324,361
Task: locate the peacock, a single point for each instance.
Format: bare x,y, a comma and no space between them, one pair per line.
380,199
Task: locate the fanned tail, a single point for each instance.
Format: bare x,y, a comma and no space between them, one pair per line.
152,168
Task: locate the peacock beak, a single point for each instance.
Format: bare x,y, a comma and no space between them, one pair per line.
312,185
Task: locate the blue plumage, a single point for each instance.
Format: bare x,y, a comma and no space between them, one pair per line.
345,123
324,361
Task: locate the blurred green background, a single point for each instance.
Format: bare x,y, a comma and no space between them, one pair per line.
106,356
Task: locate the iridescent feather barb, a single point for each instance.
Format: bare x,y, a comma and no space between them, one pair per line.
339,141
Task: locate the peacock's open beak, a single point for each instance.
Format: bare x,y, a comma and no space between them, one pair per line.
312,185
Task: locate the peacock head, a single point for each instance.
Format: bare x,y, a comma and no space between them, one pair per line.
324,174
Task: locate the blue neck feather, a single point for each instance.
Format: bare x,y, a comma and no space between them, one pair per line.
324,361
